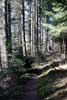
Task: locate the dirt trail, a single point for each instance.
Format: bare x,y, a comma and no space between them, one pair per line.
30,87
30,90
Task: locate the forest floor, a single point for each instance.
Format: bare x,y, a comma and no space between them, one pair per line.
42,82
47,82
49,85
53,84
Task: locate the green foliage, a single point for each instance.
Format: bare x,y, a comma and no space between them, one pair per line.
8,45
28,62
20,66
50,84
16,67
39,57
57,10
3,73
56,38
45,89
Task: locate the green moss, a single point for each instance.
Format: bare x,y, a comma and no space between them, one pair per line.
45,88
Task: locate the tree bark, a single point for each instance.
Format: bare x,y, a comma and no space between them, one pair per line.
4,60
23,29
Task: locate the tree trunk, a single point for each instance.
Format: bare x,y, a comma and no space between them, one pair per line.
23,29
3,40
8,25
37,26
32,10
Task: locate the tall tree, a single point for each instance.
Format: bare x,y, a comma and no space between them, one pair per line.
23,27
8,25
3,39
33,21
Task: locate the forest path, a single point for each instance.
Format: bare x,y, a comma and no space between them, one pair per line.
30,86
30,89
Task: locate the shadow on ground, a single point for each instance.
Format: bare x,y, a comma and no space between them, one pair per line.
53,86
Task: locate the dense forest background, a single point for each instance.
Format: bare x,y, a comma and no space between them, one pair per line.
33,40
